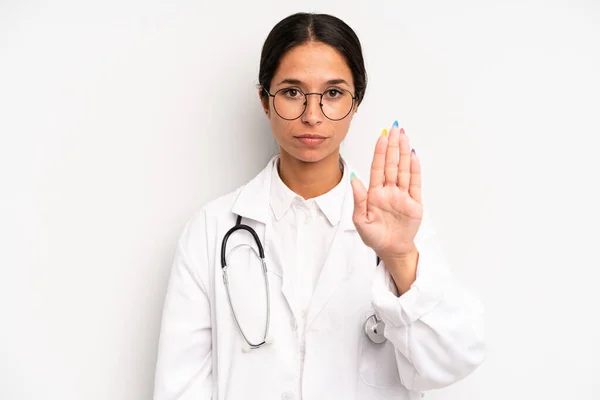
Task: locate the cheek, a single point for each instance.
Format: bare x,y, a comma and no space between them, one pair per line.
341,129
280,127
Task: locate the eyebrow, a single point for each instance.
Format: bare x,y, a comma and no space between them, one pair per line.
299,82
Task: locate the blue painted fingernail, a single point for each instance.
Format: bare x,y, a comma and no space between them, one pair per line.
413,151
395,124
352,176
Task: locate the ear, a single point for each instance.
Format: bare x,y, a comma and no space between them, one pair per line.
264,101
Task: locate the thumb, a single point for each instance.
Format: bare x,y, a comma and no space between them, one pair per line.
360,198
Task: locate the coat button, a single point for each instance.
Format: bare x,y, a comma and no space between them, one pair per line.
287,396
294,324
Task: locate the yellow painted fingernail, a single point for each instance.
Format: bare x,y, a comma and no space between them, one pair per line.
384,132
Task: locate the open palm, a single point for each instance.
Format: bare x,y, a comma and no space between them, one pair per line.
387,216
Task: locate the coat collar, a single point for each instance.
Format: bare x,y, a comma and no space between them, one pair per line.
253,200
282,197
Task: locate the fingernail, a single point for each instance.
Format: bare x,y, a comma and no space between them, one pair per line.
402,131
413,151
384,132
395,124
352,176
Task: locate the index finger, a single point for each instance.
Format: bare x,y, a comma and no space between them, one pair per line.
377,178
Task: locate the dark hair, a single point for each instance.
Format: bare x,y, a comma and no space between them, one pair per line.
301,28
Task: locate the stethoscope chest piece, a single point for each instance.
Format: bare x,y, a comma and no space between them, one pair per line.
374,328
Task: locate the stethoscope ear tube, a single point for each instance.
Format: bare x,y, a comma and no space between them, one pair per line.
266,338
238,225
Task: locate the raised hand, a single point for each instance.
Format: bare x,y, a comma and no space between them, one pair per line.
388,215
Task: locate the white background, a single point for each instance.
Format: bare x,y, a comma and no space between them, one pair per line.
119,119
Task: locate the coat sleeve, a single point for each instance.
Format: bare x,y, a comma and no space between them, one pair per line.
184,364
436,327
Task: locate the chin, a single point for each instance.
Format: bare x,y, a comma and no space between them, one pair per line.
310,155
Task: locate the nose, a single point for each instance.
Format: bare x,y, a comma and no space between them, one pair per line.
312,114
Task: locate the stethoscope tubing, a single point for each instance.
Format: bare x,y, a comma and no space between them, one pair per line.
371,331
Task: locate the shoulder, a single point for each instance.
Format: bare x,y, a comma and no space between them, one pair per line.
221,205
213,210
197,237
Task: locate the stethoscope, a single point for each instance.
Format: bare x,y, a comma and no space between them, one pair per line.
373,327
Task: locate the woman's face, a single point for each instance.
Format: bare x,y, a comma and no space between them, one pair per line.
311,67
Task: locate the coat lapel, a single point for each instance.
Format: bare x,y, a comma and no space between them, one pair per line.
253,199
253,203
338,265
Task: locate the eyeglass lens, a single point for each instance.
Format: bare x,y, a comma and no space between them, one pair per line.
290,103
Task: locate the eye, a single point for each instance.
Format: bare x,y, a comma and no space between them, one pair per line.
333,93
291,93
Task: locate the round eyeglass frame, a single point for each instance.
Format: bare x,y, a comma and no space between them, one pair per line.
354,98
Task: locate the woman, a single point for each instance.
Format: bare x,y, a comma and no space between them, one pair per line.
342,260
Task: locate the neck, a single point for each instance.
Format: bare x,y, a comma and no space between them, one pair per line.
310,179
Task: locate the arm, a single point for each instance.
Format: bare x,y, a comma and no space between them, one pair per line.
184,365
435,326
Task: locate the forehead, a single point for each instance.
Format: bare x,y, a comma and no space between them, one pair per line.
313,63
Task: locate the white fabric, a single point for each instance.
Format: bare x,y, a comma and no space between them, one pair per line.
434,330
310,226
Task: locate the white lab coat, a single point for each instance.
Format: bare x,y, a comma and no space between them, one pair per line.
434,331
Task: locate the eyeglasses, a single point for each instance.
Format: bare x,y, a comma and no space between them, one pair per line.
290,103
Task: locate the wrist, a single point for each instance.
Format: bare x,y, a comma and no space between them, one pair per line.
403,269
401,258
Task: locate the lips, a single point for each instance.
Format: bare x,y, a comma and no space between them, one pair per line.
311,137
311,140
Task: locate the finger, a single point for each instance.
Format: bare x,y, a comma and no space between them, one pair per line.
415,178
378,164
360,200
404,166
392,156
